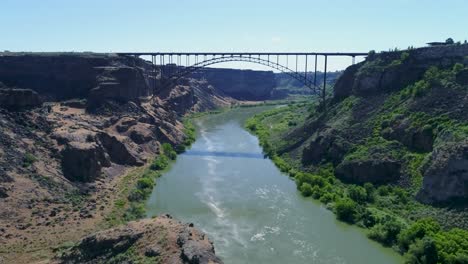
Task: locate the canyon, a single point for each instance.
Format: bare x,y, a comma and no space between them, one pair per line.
81,132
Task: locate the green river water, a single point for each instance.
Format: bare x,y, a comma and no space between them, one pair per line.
249,209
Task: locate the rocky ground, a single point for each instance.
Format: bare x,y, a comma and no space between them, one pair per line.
69,146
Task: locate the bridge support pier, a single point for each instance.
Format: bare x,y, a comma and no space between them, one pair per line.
315,75
324,91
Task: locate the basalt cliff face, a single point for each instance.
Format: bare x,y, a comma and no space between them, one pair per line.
72,126
240,84
399,118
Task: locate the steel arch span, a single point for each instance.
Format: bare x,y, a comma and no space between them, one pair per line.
303,78
173,67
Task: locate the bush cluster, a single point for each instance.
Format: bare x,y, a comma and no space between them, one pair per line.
145,184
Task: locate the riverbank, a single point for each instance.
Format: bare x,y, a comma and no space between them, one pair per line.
387,213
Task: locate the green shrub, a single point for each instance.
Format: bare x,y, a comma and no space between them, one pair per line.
306,189
145,183
190,136
404,56
317,192
419,229
28,160
137,195
387,231
457,67
383,190
282,165
401,195
346,210
423,251
327,198
135,211
368,218
169,151
357,193
420,88
370,191
160,163
452,246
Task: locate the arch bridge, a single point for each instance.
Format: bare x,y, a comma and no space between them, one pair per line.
175,65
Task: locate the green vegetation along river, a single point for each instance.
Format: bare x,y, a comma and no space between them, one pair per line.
253,212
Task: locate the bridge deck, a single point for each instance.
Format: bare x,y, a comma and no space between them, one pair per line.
352,54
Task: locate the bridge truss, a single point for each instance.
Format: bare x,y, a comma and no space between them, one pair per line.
175,65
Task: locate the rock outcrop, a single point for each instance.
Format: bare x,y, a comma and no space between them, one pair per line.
376,171
325,145
83,161
392,71
446,175
18,99
62,76
118,150
161,239
416,138
114,82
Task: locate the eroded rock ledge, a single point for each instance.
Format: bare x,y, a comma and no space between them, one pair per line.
161,239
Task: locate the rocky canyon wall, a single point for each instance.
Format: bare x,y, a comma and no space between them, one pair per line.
240,84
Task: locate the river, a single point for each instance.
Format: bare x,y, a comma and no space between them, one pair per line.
251,211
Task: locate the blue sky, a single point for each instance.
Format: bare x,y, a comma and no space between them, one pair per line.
217,25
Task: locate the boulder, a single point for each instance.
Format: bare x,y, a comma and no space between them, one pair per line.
83,161
3,192
153,251
376,171
118,150
446,176
194,252
75,103
17,99
141,133
125,123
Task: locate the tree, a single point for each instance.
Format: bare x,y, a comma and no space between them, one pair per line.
358,193
306,189
387,231
424,251
418,230
346,210
449,41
